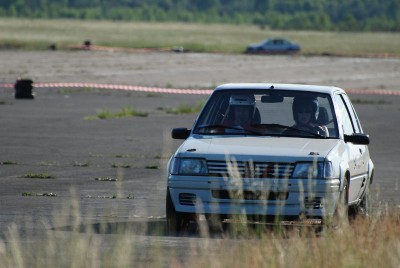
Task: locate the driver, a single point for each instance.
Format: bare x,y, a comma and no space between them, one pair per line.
305,114
241,111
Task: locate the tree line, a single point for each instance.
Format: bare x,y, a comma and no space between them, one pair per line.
331,15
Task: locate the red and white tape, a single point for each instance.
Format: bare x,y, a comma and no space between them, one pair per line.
374,92
117,87
173,90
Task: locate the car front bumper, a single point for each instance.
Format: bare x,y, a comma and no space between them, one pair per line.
269,197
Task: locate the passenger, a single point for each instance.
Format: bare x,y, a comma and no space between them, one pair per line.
305,114
241,111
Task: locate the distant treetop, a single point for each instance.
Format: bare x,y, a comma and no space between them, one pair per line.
349,15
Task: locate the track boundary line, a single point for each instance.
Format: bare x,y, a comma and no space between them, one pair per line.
171,90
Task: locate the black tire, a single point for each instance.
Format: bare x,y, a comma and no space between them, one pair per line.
214,222
250,51
173,218
177,222
362,209
341,215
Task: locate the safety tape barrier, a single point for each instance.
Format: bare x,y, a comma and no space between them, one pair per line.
173,90
374,92
117,87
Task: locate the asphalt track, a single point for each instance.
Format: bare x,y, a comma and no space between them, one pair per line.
115,168
48,135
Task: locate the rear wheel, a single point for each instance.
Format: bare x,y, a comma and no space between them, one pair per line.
362,209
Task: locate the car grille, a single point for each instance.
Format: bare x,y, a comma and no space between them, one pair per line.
251,169
249,195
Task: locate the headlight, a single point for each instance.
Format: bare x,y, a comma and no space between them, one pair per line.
189,166
314,170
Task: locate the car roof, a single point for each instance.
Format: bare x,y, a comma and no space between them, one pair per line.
278,86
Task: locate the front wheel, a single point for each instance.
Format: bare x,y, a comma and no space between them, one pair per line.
176,221
341,215
173,217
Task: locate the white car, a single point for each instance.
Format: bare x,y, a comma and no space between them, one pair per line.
300,156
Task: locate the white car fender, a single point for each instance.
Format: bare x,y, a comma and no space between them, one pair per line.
344,167
370,171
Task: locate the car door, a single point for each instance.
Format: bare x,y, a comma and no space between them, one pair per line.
357,154
272,46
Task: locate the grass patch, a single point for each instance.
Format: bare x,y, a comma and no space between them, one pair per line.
91,154
47,163
162,156
186,109
40,34
129,111
124,112
38,194
80,164
114,165
122,156
106,179
8,162
151,167
113,196
31,175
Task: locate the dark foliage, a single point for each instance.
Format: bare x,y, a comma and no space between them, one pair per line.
351,15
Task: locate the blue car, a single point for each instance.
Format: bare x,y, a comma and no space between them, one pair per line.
273,46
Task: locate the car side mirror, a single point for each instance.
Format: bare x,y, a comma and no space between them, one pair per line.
357,138
180,133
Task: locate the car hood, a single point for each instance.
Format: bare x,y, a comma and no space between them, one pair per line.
257,147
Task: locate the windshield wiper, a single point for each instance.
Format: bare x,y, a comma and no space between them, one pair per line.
216,127
259,130
289,129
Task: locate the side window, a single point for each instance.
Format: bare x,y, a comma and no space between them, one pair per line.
344,114
214,112
353,114
326,117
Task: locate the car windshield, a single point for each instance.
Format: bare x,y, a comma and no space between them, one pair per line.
268,113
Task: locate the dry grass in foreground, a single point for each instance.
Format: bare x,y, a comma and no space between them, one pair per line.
370,242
